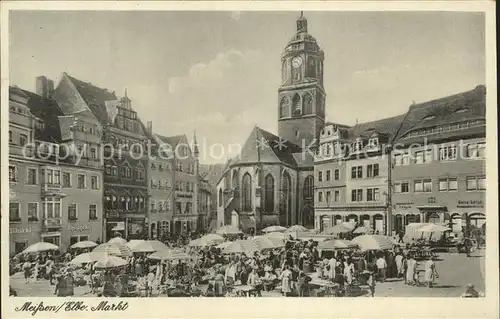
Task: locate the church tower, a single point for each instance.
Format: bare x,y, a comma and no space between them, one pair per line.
301,96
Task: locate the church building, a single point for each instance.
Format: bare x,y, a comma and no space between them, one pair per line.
271,182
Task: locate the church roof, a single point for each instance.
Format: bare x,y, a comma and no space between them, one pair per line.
265,147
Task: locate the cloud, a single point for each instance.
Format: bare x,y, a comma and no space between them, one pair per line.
236,15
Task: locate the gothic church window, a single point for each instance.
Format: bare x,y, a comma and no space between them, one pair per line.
269,194
297,105
284,107
309,187
308,102
246,192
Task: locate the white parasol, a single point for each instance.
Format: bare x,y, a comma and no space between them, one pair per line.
84,244
40,246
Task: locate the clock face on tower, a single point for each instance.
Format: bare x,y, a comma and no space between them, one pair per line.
297,62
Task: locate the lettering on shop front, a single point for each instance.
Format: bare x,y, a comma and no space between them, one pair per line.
431,200
19,230
470,203
78,228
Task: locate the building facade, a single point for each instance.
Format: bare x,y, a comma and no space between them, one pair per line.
426,165
160,190
125,153
185,217
55,188
439,169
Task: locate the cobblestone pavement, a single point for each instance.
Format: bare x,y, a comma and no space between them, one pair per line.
455,272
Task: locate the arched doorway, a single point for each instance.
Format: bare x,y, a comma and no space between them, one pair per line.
353,219
235,219
412,218
456,222
365,221
285,199
337,220
477,219
153,231
378,224
178,227
325,222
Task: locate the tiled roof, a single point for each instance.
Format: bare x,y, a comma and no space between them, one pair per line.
388,126
48,110
172,140
94,97
264,147
451,109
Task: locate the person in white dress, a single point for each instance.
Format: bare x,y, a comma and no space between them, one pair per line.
411,271
430,272
348,271
399,264
332,263
286,278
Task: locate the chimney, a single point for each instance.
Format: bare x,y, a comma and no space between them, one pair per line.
44,86
150,127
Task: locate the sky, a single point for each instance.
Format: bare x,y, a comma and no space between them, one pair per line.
218,72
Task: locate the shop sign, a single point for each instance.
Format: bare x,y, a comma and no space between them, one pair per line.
431,200
405,205
78,228
19,230
184,196
470,203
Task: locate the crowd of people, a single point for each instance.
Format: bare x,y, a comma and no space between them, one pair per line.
292,270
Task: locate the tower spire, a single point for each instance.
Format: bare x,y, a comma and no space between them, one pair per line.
301,23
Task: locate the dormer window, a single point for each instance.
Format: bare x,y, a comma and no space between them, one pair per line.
429,117
373,142
358,145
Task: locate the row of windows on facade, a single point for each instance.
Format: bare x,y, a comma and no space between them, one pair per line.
184,186
438,129
188,208
342,149
161,167
51,208
53,177
160,205
372,170
125,171
372,195
160,184
180,168
447,153
472,183
124,202
85,127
